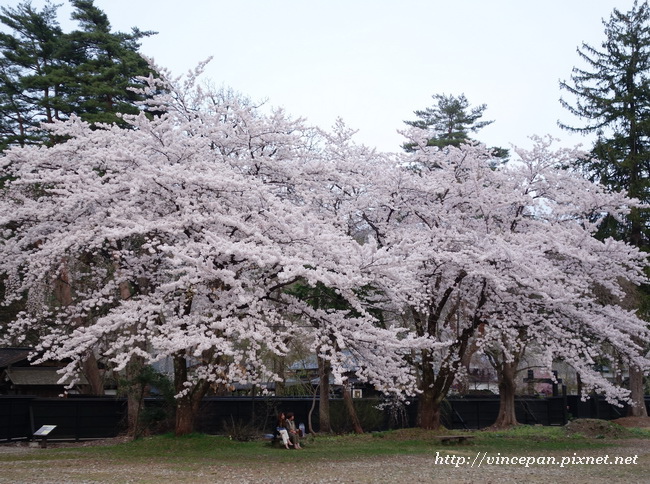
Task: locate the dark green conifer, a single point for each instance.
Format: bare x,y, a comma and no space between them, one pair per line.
611,95
48,75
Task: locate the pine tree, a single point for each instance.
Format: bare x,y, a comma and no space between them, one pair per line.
28,58
612,96
48,75
105,67
449,121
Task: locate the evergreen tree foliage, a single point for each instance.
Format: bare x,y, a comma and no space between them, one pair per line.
48,75
108,64
449,120
612,96
26,64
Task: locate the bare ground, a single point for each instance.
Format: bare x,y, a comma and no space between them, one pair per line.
641,422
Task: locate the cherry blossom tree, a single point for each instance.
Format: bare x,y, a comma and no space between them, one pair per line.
188,234
578,325
334,183
477,253
179,236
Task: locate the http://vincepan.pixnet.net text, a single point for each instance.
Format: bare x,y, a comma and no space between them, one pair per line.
485,458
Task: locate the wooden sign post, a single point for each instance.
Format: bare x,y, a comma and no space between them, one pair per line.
43,432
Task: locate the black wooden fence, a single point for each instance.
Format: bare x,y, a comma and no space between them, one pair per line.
89,418
75,418
478,413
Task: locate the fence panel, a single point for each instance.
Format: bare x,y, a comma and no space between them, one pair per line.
86,418
470,413
15,421
80,418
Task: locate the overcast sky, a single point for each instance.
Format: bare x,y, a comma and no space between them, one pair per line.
373,62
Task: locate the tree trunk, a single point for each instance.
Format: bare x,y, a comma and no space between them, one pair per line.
133,411
184,418
349,406
91,372
186,410
134,395
90,369
466,361
428,403
324,402
311,411
434,387
279,362
579,384
134,374
187,406
429,411
507,388
637,389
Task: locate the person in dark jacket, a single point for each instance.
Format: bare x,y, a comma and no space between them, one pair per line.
294,435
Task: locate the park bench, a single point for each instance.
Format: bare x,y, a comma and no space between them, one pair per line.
448,439
274,439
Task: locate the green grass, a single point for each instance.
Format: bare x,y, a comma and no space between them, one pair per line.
207,458
200,447
197,448
535,437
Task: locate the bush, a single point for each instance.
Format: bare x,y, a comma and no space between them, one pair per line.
371,417
240,430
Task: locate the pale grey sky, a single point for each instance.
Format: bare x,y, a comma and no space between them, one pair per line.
373,62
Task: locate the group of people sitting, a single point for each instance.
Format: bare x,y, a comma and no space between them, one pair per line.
288,432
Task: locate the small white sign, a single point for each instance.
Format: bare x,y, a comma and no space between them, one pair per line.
44,430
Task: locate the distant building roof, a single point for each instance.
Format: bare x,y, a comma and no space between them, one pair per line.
11,356
311,363
36,375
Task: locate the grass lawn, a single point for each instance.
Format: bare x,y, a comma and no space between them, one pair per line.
401,454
